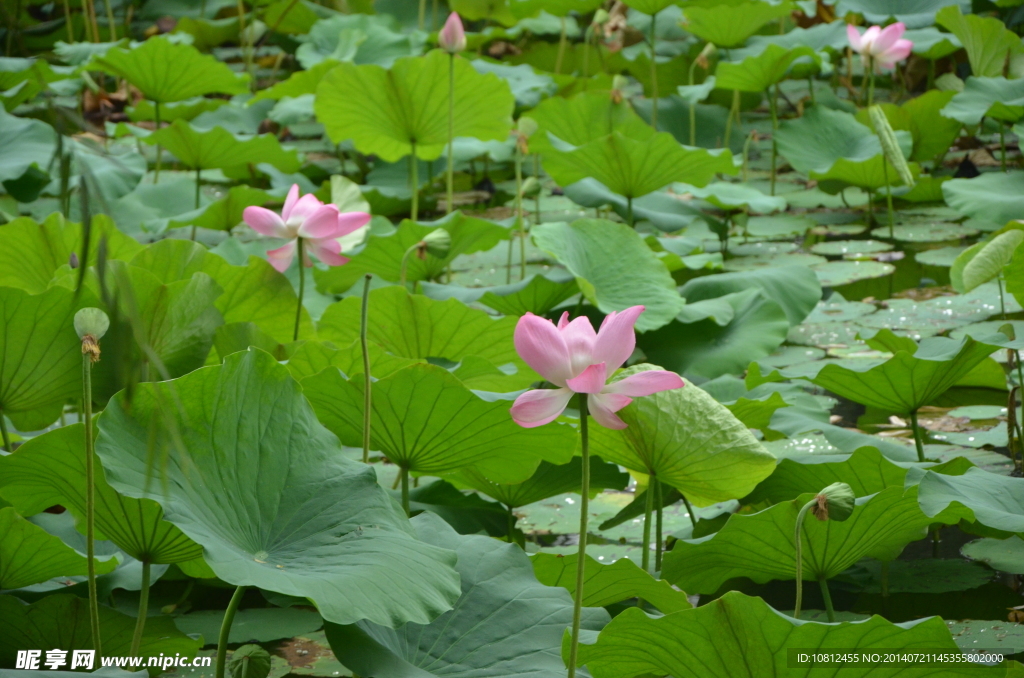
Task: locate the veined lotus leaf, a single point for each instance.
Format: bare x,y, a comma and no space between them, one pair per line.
689,441
28,146
536,294
49,470
29,554
495,10
506,623
588,116
220,149
596,251
329,532
994,500
608,584
529,86
739,636
297,84
426,420
909,379
227,212
760,545
382,254
795,288
978,265
1015,275
1005,555
831,36
994,197
730,196
166,71
313,357
409,104
529,8
358,38
650,6
758,73
62,621
914,13
209,33
547,481
931,43
729,23
996,97
989,44
258,624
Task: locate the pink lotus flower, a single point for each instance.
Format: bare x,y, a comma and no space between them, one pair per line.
578,360
452,38
883,47
317,224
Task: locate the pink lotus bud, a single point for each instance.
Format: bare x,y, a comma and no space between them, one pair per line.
452,38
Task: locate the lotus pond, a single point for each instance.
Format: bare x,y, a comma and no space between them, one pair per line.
482,339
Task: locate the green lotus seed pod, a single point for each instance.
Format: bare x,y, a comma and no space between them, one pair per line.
91,322
890,145
835,502
249,661
437,243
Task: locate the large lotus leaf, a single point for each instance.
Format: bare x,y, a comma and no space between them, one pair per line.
426,420
993,197
382,254
1005,555
933,133
495,10
1015,275
166,71
504,624
313,357
297,84
994,500
528,86
633,168
760,545
528,8
29,554
40,354
796,288
914,13
608,584
62,621
733,196
225,213
327,530
756,326
409,104
596,251
989,44
547,481
729,23
981,97
758,73
739,636
908,379
689,441
820,37
931,43
978,265
357,38
536,294
31,253
586,117
49,470
413,326
26,148
220,149
650,6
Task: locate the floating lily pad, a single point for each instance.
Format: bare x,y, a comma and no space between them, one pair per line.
973,412
982,458
781,225
906,314
987,328
763,249
802,444
259,625
1004,636
839,248
1006,555
772,261
824,334
835,273
995,437
791,355
839,311
941,256
932,232
606,554
931,575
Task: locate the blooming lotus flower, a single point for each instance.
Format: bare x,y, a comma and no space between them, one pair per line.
317,224
452,37
578,360
882,46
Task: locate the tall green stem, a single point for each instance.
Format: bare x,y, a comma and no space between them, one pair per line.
367,384
645,554
520,224
159,148
871,82
629,210
689,510
734,112
659,524
302,288
225,630
1002,298
423,14
773,104
581,552
799,545
654,72
405,490
888,198
450,176
140,623
90,502
403,269
3,432
1002,145
414,179
111,28
562,41
828,599
918,442
536,200
197,202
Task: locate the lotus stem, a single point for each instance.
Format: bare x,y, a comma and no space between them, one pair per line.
405,265
302,289
367,383
225,630
242,38
629,211
654,72
414,179
871,82
693,109
159,148
918,442
405,491
111,29
799,544
90,496
90,9
197,202
810,86
689,510
3,433
423,15
773,103
871,206
746,153
1002,145
828,599
519,217
67,21
734,111
562,41
581,551
888,199
936,540
450,175
536,200
1002,298
645,558
140,623
658,525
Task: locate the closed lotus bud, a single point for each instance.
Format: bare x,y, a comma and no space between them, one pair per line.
619,83
835,502
249,661
90,325
73,260
600,16
531,187
452,38
705,54
437,243
890,145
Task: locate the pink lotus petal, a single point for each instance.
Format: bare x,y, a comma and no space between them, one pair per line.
281,258
603,407
452,37
540,406
646,383
305,207
867,41
289,202
321,224
887,37
266,222
563,322
617,338
327,250
898,52
579,337
349,222
592,380
543,348
853,35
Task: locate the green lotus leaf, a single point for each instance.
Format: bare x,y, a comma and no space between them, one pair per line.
505,623
991,47
220,149
595,251
226,213
382,254
528,8
978,265
329,532
313,357
914,13
409,104
30,555
924,117
188,109
910,378
822,37
588,116
739,636
261,625
608,584
760,545
729,23
22,79
931,43
753,326
536,294
166,71
795,288
49,470
993,197
358,38
28,146
730,196
495,10
297,84
467,513
209,33
1015,275
547,481
62,621
425,420
528,86
758,73
689,441
1005,555
994,500
995,97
